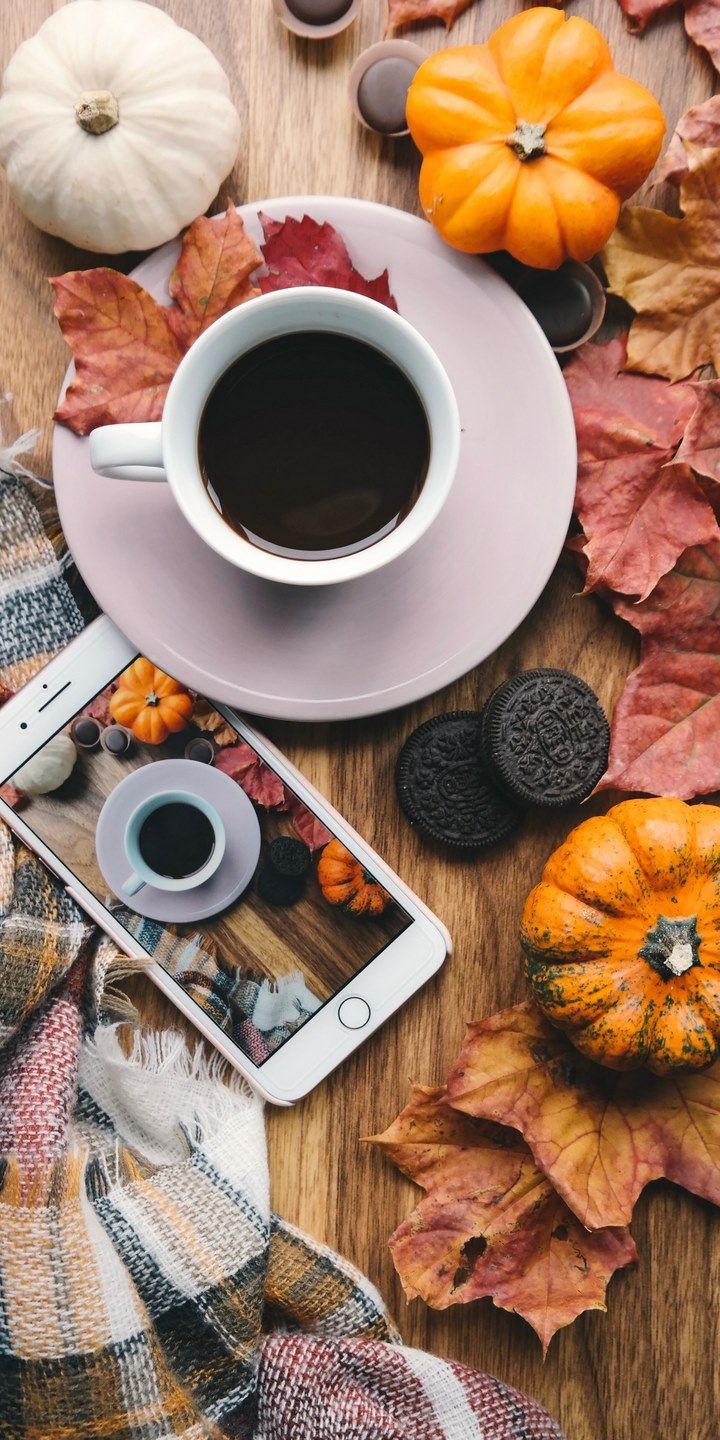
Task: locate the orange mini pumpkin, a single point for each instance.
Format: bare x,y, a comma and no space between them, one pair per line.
531,141
622,936
345,881
150,703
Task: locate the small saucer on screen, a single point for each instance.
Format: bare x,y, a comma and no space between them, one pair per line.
242,833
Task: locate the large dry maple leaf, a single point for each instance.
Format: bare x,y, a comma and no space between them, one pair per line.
492,1224
668,270
699,126
666,725
125,345
600,1136
687,597
638,511
700,446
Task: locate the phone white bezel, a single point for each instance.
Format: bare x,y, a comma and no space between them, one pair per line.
48,702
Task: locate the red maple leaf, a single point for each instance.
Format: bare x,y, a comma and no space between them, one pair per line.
259,782
303,252
638,511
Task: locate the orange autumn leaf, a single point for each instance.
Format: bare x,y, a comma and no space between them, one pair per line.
212,274
668,270
600,1136
491,1223
125,345
124,348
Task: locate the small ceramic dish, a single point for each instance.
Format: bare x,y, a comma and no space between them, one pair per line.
375,88
316,29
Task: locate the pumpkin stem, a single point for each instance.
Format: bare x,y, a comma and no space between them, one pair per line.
672,946
152,699
97,111
527,140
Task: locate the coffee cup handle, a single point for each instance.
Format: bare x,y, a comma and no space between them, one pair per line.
133,883
128,452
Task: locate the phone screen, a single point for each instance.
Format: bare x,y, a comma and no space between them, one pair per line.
308,915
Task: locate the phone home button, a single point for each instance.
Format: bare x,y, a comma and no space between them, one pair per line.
354,1012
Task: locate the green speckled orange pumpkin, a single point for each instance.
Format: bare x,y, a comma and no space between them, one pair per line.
622,936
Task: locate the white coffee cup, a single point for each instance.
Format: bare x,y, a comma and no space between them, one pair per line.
168,449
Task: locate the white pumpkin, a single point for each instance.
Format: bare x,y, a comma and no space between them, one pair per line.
49,769
116,125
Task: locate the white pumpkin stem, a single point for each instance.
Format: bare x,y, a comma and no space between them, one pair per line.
527,140
97,111
680,958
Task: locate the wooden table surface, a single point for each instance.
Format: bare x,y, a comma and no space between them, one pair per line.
647,1368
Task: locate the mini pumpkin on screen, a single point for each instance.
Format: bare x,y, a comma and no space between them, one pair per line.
532,140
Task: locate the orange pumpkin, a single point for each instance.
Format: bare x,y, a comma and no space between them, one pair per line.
531,141
150,703
622,936
344,881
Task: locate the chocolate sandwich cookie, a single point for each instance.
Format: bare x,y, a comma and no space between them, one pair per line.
277,889
445,789
544,738
288,856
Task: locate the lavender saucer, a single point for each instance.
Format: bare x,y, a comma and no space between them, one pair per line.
242,832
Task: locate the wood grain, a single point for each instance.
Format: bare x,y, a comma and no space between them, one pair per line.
648,1368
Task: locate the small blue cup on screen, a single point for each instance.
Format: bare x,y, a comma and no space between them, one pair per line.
144,874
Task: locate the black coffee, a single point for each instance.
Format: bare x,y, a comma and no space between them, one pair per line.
176,840
313,445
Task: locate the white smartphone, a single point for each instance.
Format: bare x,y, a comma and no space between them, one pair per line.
282,979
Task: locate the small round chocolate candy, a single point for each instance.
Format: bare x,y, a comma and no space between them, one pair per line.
545,738
382,93
85,731
318,12
200,748
562,305
445,789
116,740
289,857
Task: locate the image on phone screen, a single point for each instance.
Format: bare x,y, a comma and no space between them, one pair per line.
307,918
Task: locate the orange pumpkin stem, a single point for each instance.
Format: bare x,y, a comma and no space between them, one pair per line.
527,140
152,699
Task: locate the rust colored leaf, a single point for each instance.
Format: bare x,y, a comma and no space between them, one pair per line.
686,598
213,722
639,12
492,1224
307,825
700,445
302,252
243,764
12,796
666,726
125,351
212,275
126,347
409,12
638,512
668,270
599,1135
702,22
699,126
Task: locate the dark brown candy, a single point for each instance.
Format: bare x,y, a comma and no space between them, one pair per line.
201,749
562,305
85,731
116,740
318,12
382,93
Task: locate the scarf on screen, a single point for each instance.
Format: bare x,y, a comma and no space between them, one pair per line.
146,1288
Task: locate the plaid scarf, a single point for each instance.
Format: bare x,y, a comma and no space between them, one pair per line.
146,1289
